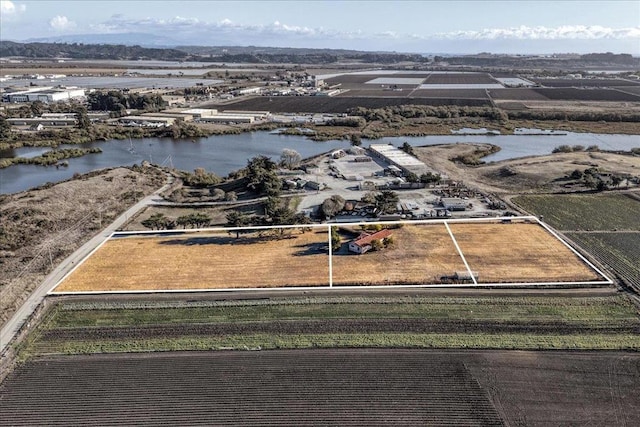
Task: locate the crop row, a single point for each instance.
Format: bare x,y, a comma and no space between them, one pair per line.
620,251
584,212
575,94
280,388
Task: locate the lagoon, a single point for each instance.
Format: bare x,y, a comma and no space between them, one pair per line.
223,154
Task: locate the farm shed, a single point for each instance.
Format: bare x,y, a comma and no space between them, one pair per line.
454,204
363,243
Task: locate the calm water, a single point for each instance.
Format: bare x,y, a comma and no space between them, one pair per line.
224,154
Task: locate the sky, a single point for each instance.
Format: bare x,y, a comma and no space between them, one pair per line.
402,26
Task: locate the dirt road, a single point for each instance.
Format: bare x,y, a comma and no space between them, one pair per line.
16,322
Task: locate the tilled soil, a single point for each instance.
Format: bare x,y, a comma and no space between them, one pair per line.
327,387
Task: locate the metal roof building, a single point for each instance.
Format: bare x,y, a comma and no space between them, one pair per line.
399,158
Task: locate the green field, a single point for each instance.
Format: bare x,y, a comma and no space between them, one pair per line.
527,322
620,251
585,212
585,219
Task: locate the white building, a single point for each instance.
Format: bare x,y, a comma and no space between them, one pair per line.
44,94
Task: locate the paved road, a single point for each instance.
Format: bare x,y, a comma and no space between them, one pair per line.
13,325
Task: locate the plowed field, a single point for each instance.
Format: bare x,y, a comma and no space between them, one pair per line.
327,387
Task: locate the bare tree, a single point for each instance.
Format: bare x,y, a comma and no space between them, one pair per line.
290,159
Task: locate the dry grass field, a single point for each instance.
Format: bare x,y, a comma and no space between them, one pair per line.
203,261
518,252
420,255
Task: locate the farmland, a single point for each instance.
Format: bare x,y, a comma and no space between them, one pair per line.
449,93
99,324
342,382
586,82
585,212
421,255
284,388
459,78
339,387
575,94
620,251
606,226
521,94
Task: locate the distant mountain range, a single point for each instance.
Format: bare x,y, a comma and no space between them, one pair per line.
126,47
128,39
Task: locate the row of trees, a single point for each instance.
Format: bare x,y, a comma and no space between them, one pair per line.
396,113
160,221
119,102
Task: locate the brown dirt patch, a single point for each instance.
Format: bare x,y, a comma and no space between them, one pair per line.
518,252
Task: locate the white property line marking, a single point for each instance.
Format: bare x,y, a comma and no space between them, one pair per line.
82,261
307,288
455,242
586,261
330,258
335,288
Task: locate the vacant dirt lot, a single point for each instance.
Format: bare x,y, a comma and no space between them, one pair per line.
204,261
518,253
420,255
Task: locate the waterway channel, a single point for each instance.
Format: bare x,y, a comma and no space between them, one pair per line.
225,153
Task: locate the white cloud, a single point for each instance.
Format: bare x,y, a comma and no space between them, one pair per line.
119,23
9,9
566,32
61,23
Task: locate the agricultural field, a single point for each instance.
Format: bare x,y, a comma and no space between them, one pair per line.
601,212
340,387
458,79
586,82
575,94
450,93
604,225
521,94
518,253
364,383
635,90
99,324
618,250
285,388
418,255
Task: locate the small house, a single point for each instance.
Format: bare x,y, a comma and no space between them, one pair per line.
362,244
